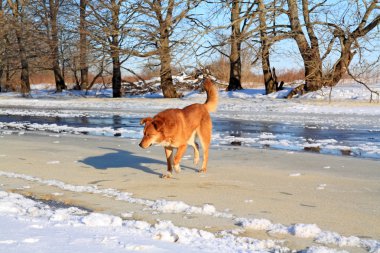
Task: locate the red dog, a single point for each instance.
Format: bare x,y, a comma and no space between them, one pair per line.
177,128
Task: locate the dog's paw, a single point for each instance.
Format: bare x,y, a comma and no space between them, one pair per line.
167,175
203,170
177,168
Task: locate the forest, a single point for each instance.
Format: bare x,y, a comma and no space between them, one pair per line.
82,42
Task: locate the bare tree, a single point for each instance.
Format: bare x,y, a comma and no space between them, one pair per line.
268,36
270,85
158,24
48,11
18,10
2,42
83,50
242,24
235,42
345,34
109,20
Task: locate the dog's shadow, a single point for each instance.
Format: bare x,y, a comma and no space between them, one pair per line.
122,159
119,158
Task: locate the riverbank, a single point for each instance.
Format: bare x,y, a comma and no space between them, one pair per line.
245,189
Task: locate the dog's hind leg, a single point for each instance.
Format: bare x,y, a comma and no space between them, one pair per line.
169,161
204,133
195,146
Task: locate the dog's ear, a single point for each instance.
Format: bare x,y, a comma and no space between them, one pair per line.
158,124
145,120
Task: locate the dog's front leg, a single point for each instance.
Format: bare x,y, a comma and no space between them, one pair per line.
169,161
178,157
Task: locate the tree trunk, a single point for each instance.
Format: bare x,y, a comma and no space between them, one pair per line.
115,50
83,45
270,83
25,83
59,81
313,70
167,86
1,75
1,41
235,59
116,76
342,64
310,53
7,75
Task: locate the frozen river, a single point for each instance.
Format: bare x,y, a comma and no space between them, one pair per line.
358,141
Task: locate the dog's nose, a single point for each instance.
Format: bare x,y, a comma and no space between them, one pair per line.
140,145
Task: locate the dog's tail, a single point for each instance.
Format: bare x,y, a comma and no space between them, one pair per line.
212,95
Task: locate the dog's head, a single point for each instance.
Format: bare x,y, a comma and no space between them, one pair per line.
152,132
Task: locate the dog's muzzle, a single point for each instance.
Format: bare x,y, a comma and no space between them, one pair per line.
141,145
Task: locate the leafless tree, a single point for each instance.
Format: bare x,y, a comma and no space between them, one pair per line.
2,42
343,24
49,14
268,13
239,23
83,45
110,22
158,35
18,10
242,24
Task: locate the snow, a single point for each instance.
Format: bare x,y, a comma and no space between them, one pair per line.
36,226
14,205
32,222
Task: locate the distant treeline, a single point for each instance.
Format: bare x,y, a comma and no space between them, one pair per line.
85,42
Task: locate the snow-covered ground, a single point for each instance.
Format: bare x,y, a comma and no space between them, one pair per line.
28,225
34,225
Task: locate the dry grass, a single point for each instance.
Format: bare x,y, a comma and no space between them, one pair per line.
221,70
42,78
